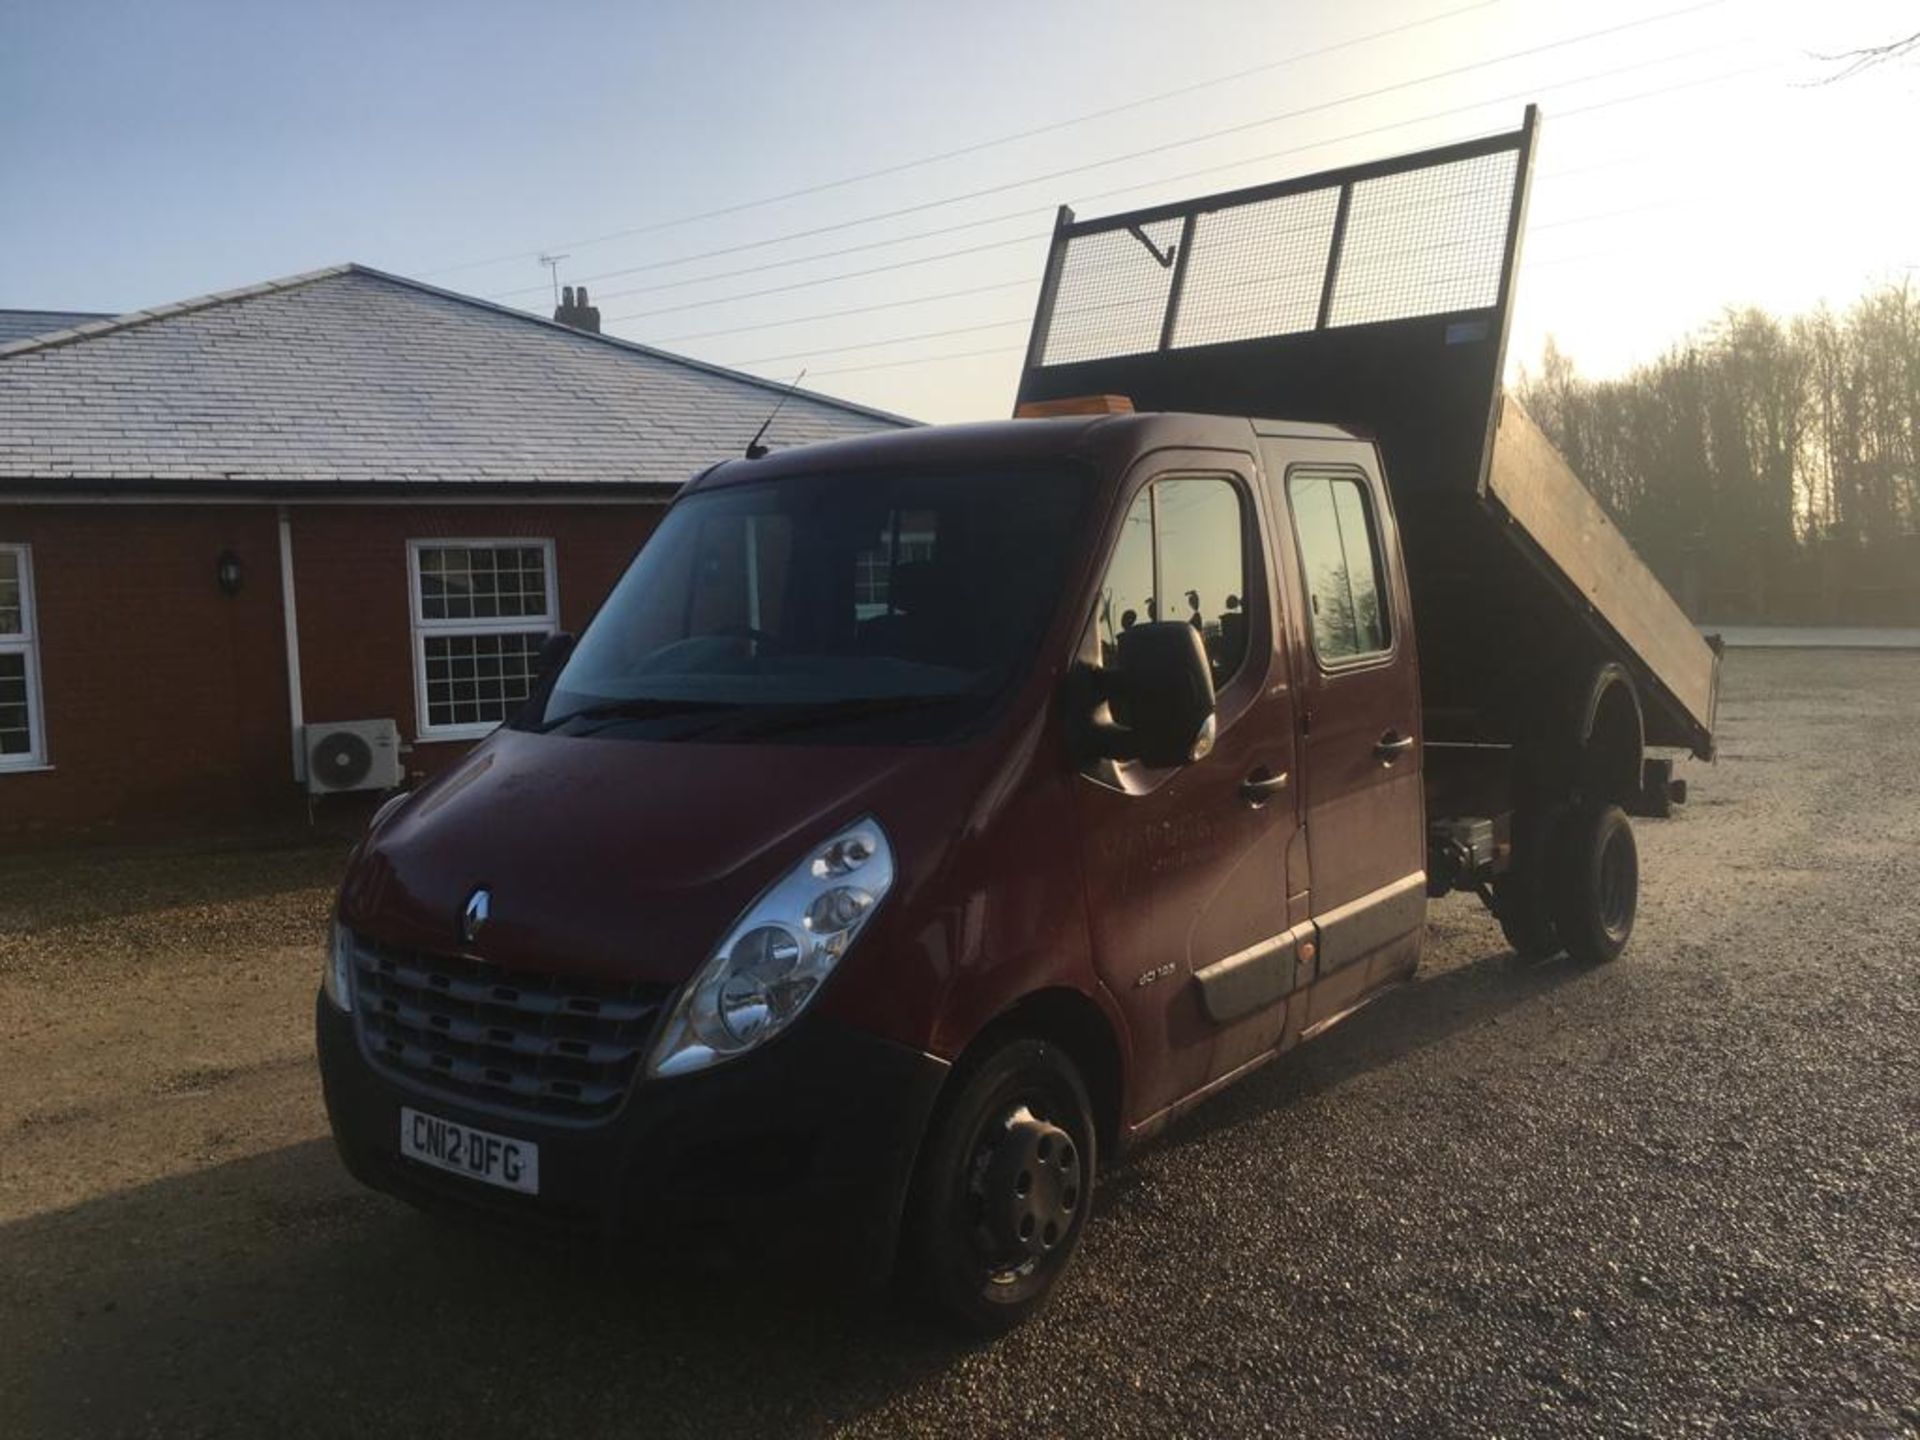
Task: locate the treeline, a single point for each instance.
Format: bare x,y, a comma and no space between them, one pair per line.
1767,469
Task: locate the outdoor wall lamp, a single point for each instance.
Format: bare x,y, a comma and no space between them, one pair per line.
226,573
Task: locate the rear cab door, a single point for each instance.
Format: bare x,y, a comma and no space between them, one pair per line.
1360,745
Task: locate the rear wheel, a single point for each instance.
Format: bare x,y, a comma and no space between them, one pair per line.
1004,1186
1596,891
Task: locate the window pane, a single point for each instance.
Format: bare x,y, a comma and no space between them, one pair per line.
521,581
478,679
1363,566
488,582
1337,551
1203,566
16,735
1126,595
12,614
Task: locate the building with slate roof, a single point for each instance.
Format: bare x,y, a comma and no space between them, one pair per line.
341,496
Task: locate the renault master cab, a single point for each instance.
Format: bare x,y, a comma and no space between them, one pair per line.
922,817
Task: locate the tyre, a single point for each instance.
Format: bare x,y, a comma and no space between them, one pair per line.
1596,883
1004,1186
1522,898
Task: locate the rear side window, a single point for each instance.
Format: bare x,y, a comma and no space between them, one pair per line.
1181,556
1340,557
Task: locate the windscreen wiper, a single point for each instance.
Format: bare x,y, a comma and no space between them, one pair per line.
634,708
827,712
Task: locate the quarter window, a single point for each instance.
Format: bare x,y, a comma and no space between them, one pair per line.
1181,556
481,611
1340,555
22,745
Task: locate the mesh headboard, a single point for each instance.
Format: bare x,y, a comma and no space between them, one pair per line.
1375,296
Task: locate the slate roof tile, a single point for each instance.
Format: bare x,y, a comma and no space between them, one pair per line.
350,374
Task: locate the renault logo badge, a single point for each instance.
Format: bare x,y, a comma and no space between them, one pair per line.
473,919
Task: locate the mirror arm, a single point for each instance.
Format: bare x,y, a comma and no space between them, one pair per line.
1107,741
1087,691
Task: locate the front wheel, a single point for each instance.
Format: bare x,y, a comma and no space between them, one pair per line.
1004,1186
1597,883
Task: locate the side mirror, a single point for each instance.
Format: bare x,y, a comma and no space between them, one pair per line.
1161,694
553,654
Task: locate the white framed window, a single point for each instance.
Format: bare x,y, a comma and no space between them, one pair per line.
481,611
23,740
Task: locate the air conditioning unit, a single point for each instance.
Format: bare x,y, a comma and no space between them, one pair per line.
353,755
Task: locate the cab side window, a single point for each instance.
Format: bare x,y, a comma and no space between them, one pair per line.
1340,558
1181,556
1126,595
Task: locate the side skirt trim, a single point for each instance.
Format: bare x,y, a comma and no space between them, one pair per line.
1253,978
1356,929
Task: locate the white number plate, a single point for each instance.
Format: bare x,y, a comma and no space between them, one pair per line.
476,1154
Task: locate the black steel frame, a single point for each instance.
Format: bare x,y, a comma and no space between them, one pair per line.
1068,228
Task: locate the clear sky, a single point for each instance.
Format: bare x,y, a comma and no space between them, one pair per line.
1690,160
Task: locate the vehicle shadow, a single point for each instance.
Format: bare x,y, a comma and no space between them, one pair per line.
271,1296
1430,1008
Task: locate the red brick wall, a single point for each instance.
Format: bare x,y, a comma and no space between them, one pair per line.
166,701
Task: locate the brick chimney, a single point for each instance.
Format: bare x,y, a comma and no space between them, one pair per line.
574,310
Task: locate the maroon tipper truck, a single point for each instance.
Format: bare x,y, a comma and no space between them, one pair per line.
926,818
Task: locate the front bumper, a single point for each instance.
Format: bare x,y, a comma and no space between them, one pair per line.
803,1148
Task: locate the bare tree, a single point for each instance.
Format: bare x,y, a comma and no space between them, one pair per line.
1852,62
1767,470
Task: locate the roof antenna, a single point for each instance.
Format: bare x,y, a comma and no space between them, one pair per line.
754,448
552,262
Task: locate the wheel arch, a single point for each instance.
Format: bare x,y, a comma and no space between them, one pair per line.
1078,1025
1611,731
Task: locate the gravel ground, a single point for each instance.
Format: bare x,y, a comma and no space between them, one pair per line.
1677,1195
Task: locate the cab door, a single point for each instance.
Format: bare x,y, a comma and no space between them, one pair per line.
1186,867
1361,740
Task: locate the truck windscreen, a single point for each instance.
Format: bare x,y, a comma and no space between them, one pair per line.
856,608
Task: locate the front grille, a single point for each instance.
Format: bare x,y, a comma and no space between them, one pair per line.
552,1046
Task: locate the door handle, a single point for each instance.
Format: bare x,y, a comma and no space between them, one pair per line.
1391,746
1262,785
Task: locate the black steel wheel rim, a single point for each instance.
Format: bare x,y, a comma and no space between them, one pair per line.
1618,884
1022,1189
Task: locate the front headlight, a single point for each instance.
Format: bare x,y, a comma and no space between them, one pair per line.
337,978
778,953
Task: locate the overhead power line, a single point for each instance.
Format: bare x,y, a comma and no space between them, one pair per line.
782,240
1029,212
1541,262
890,340
1028,279
1666,203
975,147
1163,180
825,279
850,310
1299,112
921,360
